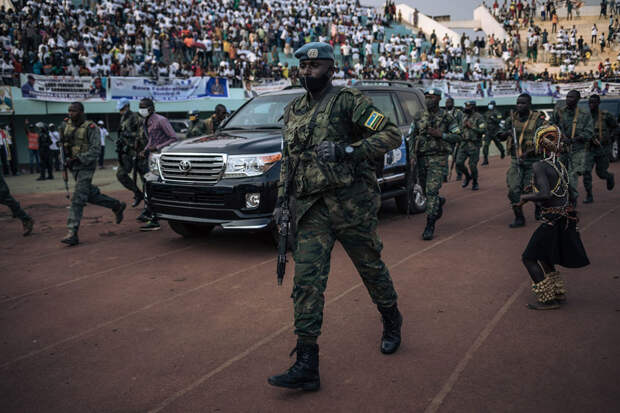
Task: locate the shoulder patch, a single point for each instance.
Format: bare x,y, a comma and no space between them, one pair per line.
374,120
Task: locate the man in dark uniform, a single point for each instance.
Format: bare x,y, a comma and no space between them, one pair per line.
196,126
81,142
473,128
433,132
16,209
130,142
492,117
333,138
597,152
458,115
45,153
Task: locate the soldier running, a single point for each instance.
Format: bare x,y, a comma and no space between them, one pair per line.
332,138
130,142
473,128
433,132
81,142
458,115
493,118
599,149
16,209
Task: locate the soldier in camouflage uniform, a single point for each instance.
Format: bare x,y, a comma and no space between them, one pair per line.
597,152
81,142
458,115
577,131
196,126
16,209
519,130
492,117
215,120
473,128
130,142
333,138
433,132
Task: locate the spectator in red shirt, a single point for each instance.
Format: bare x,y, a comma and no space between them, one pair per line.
33,146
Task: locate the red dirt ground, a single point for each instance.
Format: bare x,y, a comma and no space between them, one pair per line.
132,322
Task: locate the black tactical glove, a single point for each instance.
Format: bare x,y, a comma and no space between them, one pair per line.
330,152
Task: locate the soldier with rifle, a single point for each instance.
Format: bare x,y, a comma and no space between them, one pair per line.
433,132
128,145
474,126
333,138
457,114
518,131
493,117
81,143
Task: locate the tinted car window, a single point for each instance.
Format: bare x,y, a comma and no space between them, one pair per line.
261,111
384,102
410,104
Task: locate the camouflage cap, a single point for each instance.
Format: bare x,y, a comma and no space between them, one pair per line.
315,51
433,91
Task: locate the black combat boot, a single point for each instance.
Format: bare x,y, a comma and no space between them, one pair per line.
474,186
71,238
466,181
519,217
144,216
589,198
118,212
427,235
137,198
28,224
304,373
485,161
611,181
392,322
502,154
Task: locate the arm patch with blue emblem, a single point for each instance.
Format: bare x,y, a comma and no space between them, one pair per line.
374,120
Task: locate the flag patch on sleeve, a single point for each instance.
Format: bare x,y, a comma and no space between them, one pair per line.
374,120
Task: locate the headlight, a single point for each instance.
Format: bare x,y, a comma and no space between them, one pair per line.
241,166
154,163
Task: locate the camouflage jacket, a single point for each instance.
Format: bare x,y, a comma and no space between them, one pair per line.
81,141
212,124
605,126
347,117
575,124
493,118
421,143
130,131
474,134
197,128
523,134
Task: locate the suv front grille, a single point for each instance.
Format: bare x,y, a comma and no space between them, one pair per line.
200,168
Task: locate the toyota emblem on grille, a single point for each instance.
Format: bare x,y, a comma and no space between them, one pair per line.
185,166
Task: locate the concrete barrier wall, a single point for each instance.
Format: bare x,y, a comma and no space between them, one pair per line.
489,24
427,24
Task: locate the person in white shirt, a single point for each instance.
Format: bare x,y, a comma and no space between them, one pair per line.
55,138
104,134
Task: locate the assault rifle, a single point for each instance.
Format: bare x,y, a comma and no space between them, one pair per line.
409,171
284,225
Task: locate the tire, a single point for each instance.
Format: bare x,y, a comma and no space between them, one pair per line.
418,201
188,230
615,148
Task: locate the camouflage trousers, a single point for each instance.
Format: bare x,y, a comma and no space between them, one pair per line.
125,168
8,200
487,142
518,177
469,150
352,223
85,192
597,156
575,163
431,170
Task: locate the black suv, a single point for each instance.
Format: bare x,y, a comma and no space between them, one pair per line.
230,178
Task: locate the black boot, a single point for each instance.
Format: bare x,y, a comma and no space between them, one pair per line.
589,198
137,198
427,235
71,238
442,201
519,217
485,161
392,322
466,181
502,155
611,181
28,224
474,186
118,212
304,373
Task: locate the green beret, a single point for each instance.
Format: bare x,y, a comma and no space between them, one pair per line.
315,51
433,91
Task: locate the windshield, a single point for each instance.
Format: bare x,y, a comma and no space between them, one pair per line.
261,112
